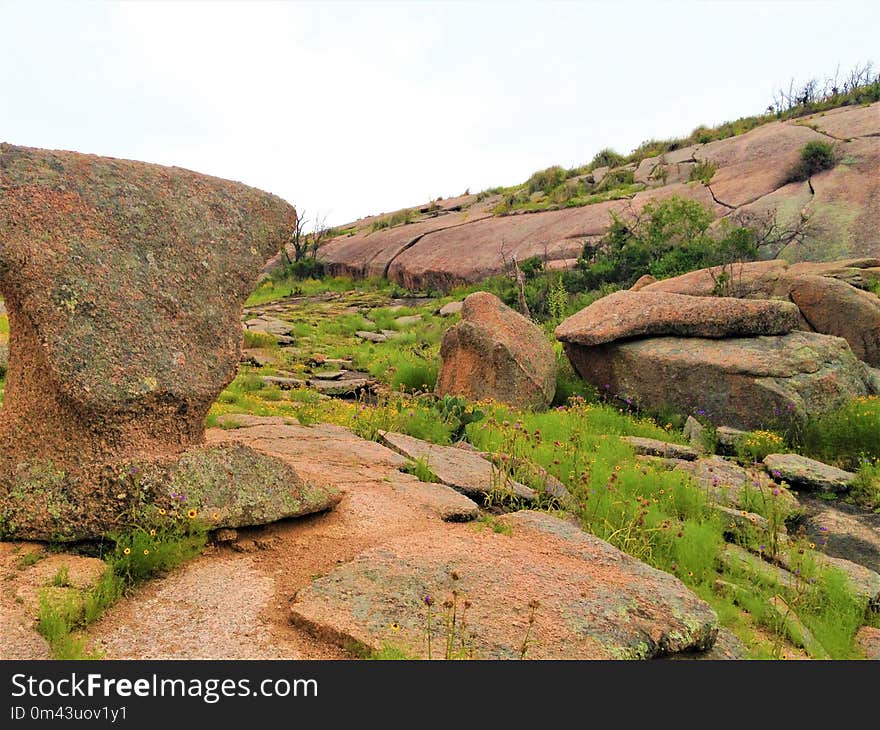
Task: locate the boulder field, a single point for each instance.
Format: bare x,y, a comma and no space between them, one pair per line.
791,342
462,240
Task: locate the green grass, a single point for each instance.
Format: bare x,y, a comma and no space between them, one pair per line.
137,554
421,469
844,437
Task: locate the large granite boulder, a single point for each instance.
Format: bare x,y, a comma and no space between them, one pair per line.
831,297
124,283
628,314
497,353
748,382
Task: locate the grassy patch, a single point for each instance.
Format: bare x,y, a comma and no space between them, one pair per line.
845,436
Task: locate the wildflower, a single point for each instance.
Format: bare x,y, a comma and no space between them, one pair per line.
429,601
161,511
152,533
812,546
192,514
215,517
146,552
126,551
395,626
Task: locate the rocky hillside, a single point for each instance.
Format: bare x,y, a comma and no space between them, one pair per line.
465,239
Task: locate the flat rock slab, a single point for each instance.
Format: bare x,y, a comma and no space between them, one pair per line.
329,375
465,471
229,485
804,473
843,531
592,601
371,336
408,320
626,314
655,447
283,383
209,609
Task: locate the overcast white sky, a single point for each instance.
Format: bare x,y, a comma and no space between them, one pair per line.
359,108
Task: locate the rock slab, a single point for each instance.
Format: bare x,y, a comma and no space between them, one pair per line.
465,471
627,314
804,473
585,598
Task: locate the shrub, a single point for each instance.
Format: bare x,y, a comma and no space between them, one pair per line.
816,156
547,179
865,489
607,158
669,238
702,172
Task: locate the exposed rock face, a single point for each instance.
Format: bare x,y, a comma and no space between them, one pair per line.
744,382
627,314
459,241
496,353
124,283
591,600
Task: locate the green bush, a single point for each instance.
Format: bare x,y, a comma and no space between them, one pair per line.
816,156
607,158
669,238
702,172
547,179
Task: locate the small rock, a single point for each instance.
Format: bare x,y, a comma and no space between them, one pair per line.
694,432
371,336
226,534
255,357
728,438
742,519
642,282
655,447
330,375
447,310
408,320
804,473
348,387
283,383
